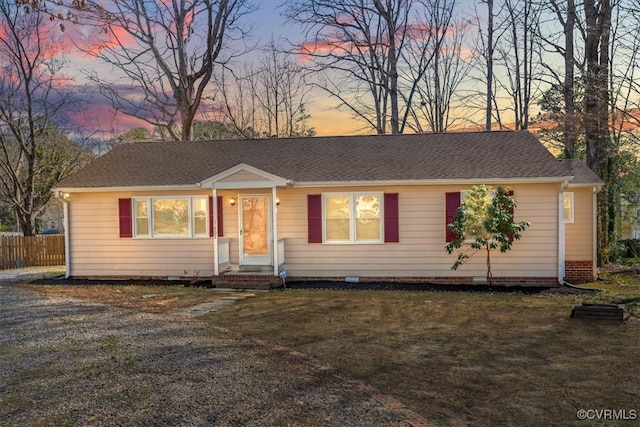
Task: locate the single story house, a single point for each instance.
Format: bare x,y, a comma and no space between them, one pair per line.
357,208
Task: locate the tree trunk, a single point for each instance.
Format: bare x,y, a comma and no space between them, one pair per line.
598,25
26,223
489,272
569,81
489,65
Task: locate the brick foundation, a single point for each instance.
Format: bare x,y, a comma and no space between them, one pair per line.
499,281
266,281
578,271
246,281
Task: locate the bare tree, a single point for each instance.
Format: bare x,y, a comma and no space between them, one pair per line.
268,99
354,47
597,137
34,153
282,93
490,47
562,41
519,56
484,47
447,68
167,50
569,80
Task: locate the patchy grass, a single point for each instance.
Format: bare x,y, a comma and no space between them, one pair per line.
456,358
150,299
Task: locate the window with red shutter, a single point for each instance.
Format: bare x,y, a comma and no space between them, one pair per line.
390,226
391,218
219,222
314,218
125,218
452,204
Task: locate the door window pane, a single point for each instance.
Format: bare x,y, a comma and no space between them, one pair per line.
255,226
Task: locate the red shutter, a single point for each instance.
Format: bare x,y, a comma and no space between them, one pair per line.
219,222
452,205
314,218
391,218
125,218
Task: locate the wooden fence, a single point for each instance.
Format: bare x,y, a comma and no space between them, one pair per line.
21,251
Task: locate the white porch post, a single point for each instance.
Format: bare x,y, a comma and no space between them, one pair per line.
216,255
274,216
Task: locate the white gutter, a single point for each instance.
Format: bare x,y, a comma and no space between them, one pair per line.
471,181
199,185
129,188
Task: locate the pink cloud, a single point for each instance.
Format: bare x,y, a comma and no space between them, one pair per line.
110,37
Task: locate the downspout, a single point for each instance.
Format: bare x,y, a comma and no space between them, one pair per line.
274,220
561,233
67,232
594,244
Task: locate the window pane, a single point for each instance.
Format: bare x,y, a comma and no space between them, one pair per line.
142,218
567,207
170,217
368,229
199,210
367,218
338,212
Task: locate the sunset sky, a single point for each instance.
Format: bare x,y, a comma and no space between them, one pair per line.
267,24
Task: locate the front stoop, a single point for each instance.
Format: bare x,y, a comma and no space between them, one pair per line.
242,280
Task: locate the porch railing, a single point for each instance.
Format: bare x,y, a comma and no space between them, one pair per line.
281,259
223,252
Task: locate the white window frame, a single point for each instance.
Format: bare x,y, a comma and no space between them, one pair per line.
352,216
191,226
571,197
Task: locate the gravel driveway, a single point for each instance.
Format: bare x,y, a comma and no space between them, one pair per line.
69,363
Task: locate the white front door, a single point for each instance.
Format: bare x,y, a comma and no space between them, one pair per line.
255,230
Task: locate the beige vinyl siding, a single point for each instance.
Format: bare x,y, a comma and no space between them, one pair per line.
420,252
579,234
98,250
242,177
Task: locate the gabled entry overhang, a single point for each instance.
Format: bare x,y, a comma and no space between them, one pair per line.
244,176
241,177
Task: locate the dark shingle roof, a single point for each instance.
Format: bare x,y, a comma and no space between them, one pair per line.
580,172
415,157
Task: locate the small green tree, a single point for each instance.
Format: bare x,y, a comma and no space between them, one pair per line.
484,220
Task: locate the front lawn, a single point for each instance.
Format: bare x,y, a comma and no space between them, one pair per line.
456,358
